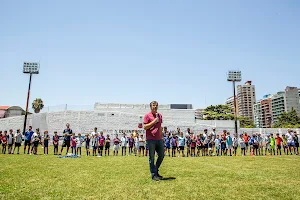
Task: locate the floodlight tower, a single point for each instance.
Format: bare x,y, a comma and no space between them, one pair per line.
234,76
29,68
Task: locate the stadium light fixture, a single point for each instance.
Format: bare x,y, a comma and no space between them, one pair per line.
234,76
29,68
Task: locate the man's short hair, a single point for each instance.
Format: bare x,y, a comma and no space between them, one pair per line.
152,102
67,124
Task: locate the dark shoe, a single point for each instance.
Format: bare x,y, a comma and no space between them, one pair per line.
159,176
155,178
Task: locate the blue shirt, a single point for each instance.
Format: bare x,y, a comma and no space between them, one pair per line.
167,141
67,131
229,140
28,135
181,141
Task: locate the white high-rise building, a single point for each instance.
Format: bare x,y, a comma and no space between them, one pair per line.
246,99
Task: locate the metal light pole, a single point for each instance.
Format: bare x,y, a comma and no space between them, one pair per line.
234,76
29,68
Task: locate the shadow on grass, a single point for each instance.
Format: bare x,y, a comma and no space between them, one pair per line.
168,179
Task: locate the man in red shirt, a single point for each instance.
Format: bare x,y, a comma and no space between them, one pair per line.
154,139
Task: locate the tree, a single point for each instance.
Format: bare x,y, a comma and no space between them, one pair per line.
288,120
218,112
37,105
245,122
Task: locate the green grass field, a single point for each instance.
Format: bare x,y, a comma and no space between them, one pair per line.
49,177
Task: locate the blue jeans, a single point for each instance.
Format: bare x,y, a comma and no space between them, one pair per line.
158,147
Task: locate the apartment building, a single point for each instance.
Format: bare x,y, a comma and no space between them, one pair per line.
246,99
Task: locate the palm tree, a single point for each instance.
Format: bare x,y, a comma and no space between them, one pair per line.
37,105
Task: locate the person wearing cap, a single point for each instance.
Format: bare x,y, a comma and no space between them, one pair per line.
154,139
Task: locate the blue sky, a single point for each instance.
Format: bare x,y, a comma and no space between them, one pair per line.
136,51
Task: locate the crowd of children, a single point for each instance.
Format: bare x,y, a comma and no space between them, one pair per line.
212,144
176,143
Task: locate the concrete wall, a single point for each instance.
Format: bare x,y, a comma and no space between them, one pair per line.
85,121
108,121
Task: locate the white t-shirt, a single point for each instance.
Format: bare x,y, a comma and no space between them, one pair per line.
79,141
141,142
289,137
10,138
34,135
18,137
136,142
242,143
123,141
213,135
94,133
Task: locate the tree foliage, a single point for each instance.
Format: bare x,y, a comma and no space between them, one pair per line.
245,122
288,120
218,112
37,105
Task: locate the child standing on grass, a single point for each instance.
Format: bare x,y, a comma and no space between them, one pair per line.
167,140
210,145
188,144
10,141
242,145
107,145
235,144
205,145
46,142
193,144
181,143
18,141
278,144
296,139
55,139
174,145
124,144
130,145
4,142
229,144
284,144
267,143
217,145
73,143
136,144
94,144
272,145
255,145
117,142
35,141
141,145
87,141
101,143
79,141
199,146
223,143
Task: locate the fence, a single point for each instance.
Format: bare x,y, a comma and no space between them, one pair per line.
64,107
